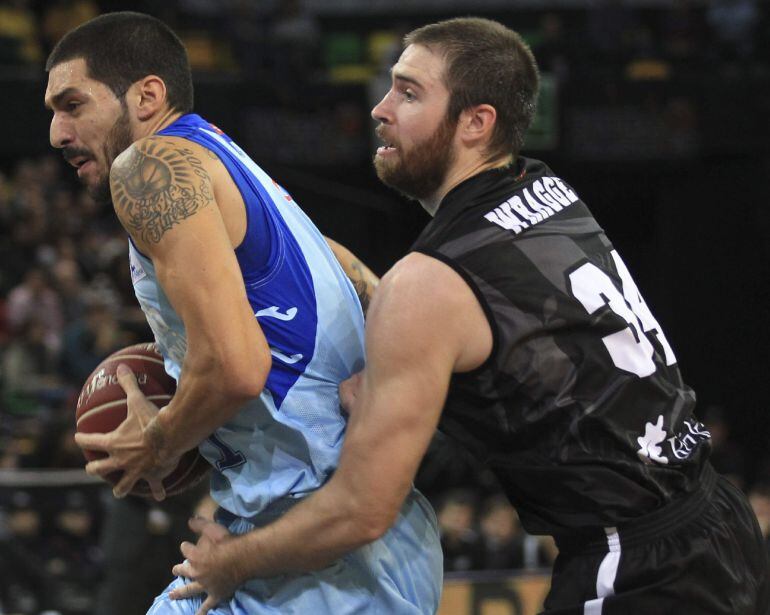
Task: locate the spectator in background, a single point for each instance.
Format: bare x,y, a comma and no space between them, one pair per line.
63,220
72,559
29,374
26,586
139,540
459,540
90,338
69,284
34,300
505,545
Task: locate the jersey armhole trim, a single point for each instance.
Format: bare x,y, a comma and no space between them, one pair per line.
482,302
138,251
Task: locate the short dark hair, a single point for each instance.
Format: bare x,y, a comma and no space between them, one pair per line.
122,48
486,63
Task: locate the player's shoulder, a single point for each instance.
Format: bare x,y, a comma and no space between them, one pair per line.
416,270
156,183
157,161
426,283
427,305
173,150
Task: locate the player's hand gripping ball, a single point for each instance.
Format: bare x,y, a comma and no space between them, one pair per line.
102,407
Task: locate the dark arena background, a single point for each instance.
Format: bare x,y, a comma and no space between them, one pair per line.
655,112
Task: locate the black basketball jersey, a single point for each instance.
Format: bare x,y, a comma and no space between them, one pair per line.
580,410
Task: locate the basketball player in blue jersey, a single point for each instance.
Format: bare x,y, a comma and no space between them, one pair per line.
250,309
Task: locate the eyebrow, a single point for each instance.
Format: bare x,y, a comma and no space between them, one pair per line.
407,79
57,98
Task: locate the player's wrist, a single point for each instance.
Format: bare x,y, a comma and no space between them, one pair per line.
155,434
236,560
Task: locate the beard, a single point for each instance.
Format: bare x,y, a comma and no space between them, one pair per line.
419,172
118,139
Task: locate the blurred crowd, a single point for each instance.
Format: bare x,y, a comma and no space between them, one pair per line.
65,303
66,300
291,40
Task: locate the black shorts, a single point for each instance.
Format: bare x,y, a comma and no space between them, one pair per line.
701,556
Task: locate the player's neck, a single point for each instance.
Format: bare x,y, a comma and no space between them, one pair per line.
156,124
461,171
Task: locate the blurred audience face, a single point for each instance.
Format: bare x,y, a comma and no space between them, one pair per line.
90,124
35,282
455,518
500,523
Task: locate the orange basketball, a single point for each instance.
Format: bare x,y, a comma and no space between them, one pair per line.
101,407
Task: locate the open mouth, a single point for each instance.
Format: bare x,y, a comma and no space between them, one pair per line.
386,149
81,163
78,158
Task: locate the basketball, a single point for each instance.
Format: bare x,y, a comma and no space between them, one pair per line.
101,407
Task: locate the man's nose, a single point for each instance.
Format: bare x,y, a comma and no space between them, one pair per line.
380,112
61,133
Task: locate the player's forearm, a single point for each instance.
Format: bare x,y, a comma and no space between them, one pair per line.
211,392
363,279
315,533
357,506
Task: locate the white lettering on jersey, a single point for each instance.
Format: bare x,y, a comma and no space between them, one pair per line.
547,196
680,446
683,443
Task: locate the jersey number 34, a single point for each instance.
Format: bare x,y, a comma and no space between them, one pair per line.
629,348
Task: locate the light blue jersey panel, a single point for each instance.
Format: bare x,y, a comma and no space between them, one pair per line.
286,442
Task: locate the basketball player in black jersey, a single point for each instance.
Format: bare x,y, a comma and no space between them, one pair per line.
516,327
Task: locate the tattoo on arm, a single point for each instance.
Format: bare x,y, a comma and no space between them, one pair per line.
157,184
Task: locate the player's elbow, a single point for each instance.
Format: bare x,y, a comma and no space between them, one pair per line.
373,521
236,375
374,529
245,379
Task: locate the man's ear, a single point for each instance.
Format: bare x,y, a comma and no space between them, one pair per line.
149,96
476,125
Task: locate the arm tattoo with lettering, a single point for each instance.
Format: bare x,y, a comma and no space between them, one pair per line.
157,184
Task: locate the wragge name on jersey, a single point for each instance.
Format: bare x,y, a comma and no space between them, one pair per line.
533,204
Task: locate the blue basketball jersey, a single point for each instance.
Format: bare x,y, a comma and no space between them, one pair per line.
287,441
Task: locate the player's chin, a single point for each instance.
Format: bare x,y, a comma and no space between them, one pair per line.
99,189
384,167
